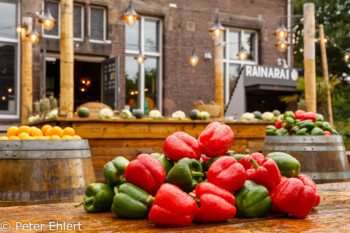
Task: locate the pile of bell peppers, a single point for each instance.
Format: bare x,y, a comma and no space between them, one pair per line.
200,180
301,123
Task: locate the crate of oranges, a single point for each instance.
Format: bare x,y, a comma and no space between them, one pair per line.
47,132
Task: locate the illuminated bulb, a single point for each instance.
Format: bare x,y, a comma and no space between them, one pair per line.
47,20
9,90
217,29
282,46
347,56
325,40
34,35
193,59
19,29
132,93
48,24
88,83
131,20
146,89
3,98
83,81
140,58
281,32
82,89
130,16
243,54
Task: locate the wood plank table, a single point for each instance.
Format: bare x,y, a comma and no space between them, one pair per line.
332,215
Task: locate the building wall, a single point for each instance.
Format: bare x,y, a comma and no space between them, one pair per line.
183,28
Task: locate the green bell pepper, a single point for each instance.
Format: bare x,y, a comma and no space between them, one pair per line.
113,171
252,200
131,202
288,165
271,130
186,174
319,117
303,131
309,124
334,132
282,132
289,121
326,126
288,114
316,131
297,122
294,129
318,124
167,164
99,198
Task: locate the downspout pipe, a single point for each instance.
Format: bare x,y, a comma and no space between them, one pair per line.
289,26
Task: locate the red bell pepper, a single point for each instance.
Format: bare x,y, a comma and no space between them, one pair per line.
227,174
298,114
278,124
327,133
245,160
309,116
216,139
267,174
172,207
216,204
147,172
180,145
293,197
309,182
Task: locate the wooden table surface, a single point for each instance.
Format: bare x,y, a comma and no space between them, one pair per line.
332,215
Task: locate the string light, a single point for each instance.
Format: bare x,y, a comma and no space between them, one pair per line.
130,16
347,56
34,35
3,98
217,30
9,90
47,20
282,45
281,32
243,54
193,59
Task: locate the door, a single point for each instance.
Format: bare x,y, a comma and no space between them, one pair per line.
111,82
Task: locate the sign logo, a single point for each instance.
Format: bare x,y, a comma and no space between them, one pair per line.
294,75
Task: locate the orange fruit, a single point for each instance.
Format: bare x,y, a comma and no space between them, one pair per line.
13,138
24,129
45,128
69,131
55,137
76,137
56,130
67,137
4,138
34,131
41,137
23,135
28,138
12,131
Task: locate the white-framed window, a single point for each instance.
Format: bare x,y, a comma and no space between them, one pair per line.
235,39
9,60
143,83
78,22
97,24
55,9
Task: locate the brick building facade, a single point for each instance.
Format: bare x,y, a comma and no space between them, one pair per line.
167,35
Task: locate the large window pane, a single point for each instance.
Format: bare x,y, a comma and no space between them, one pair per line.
234,44
97,24
151,73
233,76
132,36
8,19
151,35
77,19
54,9
131,82
7,78
249,44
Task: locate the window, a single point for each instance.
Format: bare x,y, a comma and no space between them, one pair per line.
143,82
97,24
55,12
235,39
78,22
9,78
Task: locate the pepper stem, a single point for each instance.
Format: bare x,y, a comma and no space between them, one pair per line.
197,174
115,190
246,152
87,200
255,164
195,199
150,199
192,195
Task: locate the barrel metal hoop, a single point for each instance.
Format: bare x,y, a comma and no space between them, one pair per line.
304,139
43,145
328,175
63,154
303,148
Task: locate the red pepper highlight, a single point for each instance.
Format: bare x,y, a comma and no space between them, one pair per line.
293,197
216,204
146,172
278,124
227,174
173,207
265,172
298,114
309,116
309,182
216,139
180,145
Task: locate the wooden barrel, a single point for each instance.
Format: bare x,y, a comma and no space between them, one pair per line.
39,172
323,158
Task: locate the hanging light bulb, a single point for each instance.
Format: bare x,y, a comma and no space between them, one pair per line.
281,32
193,59
282,45
47,20
217,30
130,16
22,28
19,29
34,35
347,56
243,54
140,58
325,40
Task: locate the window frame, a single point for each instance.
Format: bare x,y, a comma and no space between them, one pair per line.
58,21
227,61
148,54
82,22
104,24
5,115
